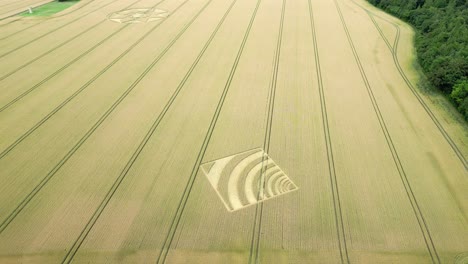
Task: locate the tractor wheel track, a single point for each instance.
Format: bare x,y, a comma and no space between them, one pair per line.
72,151
340,230
412,199
254,255
47,33
53,49
188,188
76,93
42,21
53,17
92,221
394,51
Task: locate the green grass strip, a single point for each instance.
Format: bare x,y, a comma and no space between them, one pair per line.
50,8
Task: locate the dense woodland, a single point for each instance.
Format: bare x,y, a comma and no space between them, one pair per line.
441,42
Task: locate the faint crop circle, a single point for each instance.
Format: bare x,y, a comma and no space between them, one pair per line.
138,15
462,258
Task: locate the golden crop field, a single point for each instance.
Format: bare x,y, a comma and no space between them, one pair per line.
224,131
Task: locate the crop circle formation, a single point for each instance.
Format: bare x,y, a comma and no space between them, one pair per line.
247,178
137,15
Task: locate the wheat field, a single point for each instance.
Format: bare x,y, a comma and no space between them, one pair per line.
223,131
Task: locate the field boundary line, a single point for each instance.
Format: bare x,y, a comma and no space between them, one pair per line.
188,188
412,199
340,230
15,2
254,254
12,3
9,22
49,32
23,9
41,21
52,50
422,102
64,67
73,95
72,11
57,167
92,221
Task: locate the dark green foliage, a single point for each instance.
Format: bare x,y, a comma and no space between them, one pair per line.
460,96
441,40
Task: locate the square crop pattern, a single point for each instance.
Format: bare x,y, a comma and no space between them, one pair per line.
247,178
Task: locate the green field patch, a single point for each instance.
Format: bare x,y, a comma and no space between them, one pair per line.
50,8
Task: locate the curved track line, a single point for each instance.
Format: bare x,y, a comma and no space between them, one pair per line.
57,167
283,186
288,186
259,188
188,188
225,177
276,186
339,226
412,199
249,182
233,188
226,173
270,172
279,183
394,51
271,180
216,171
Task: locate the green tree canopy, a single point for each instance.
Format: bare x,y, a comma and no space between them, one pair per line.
441,41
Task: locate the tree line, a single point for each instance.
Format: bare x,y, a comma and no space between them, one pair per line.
441,42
